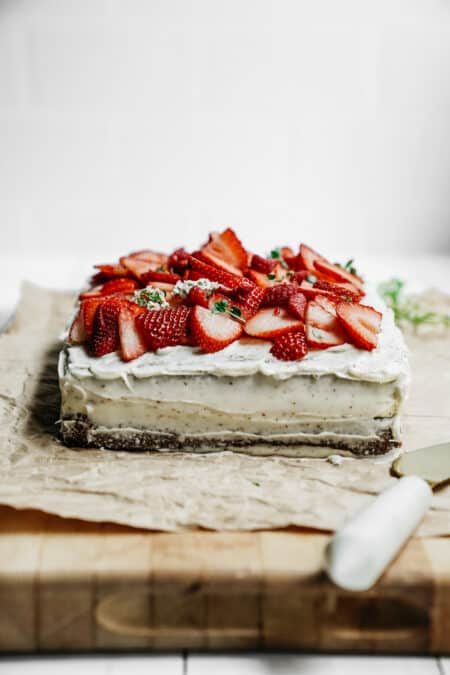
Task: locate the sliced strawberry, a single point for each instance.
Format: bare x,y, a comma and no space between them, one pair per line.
268,280
264,265
322,328
326,303
278,295
290,346
344,291
132,344
250,301
197,296
213,332
88,309
289,257
178,261
156,275
93,292
361,323
227,247
307,258
165,327
159,259
231,281
105,336
211,259
337,273
111,287
137,267
77,334
297,305
271,322
111,271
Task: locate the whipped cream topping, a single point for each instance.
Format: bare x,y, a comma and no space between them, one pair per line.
387,363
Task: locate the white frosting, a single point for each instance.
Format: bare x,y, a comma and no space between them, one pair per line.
387,363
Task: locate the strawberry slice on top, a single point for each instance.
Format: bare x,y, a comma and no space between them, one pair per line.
213,332
322,328
361,323
227,247
132,344
337,273
290,346
271,322
165,327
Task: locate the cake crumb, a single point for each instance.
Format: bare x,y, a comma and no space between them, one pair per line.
336,460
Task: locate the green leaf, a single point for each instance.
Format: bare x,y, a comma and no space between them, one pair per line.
271,276
235,311
220,306
276,253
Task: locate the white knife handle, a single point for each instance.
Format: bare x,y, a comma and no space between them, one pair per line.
357,555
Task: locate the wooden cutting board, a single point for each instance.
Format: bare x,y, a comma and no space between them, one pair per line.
71,585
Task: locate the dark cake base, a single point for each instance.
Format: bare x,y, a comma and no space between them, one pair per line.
80,432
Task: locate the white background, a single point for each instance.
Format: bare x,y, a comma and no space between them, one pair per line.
135,123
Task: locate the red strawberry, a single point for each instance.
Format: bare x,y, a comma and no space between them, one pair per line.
289,257
270,322
264,265
158,259
77,334
211,259
197,296
326,303
93,292
165,327
267,280
107,272
137,267
105,336
322,328
337,273
278,295
297,305
132,343
178,261
231,281
290,346
344,291
88,309
119,286
250,301
226,246
361,323
156,275
213,332
111,287
307,258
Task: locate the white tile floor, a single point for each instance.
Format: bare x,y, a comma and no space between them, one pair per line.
69,273
224,664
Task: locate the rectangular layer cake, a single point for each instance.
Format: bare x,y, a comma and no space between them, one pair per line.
286,355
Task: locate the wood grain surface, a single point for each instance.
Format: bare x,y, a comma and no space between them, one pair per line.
70,585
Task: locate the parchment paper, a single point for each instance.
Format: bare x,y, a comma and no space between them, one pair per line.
175,491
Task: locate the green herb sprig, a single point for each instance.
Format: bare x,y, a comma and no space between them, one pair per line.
407,309
224,307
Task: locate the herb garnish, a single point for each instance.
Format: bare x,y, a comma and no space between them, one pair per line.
221,306
276,255
407,308
311,278
350,267
271,276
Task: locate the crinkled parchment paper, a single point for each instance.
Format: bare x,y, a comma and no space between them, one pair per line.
177,491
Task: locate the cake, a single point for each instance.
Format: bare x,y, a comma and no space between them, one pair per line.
224,349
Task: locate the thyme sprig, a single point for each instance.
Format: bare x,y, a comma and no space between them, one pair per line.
406,308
